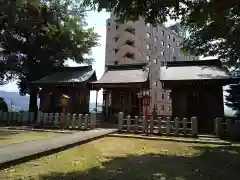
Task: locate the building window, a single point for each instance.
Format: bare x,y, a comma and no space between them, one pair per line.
178,43
117,26
129,55
162,53
148,35
168,46
169,96
174,39
148,25
108,22
131,30
168,36
148,58
162,32
162,43
173,49
155,39
174,58
162,96
130,43
148,46
155,61
155,83
162,107
162,63
116,39
116,50
169,108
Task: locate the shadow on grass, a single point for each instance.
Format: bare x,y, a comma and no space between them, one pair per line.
218,163
6,134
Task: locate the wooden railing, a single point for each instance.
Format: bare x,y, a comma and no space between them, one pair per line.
161,125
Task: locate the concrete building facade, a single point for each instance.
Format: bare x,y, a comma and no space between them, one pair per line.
137,42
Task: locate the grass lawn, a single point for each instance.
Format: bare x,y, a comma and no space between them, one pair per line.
12,136
130,159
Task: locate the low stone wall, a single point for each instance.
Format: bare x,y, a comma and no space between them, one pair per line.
161,125
16,118
227,128
66,121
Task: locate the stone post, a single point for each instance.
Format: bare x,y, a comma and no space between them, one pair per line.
136,124
20,117
160,125
120,121
128,123
73,125
14,117
93,120
31,117
86,122
45,119
176,121
1,115
56,120
184,126
143,124
39,117
194,126
218,127
68,120
168,126
50,119
79,121
25,117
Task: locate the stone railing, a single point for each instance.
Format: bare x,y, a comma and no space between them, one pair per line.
66,121
16,118
227,127
161,125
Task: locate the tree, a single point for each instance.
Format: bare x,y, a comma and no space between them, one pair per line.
3,105
43,36
213,25
233,98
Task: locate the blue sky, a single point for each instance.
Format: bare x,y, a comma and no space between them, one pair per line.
98,21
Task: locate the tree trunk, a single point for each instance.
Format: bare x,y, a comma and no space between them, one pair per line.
33,107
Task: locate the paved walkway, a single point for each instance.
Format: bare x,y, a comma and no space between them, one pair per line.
11,153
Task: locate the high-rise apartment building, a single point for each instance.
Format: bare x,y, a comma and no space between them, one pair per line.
137,42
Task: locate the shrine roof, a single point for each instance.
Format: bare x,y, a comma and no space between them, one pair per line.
120,75
195,70
68,75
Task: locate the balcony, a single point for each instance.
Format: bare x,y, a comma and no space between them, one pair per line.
128,26
127,48
127,36
125,61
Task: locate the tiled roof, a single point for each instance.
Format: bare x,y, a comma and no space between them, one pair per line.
123,76
192,73
68,75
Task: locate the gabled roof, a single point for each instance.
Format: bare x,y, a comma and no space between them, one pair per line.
193,70
117,75
68,75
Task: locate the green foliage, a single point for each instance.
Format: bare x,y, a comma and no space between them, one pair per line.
3,105
233,98
213,25
41,36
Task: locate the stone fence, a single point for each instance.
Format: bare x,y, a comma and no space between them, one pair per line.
16,118
161,125
49,120
227,127
66,121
